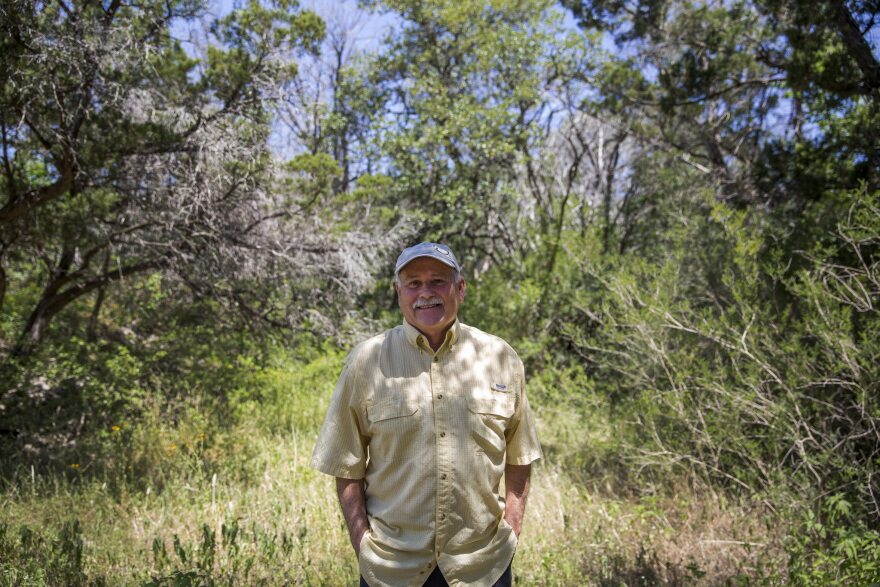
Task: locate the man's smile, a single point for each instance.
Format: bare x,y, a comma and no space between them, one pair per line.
427,304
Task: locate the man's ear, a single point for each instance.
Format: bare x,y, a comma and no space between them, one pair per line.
462,289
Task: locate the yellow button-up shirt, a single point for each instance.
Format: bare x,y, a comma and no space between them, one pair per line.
430,433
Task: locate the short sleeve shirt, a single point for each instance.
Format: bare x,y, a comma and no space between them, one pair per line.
430,434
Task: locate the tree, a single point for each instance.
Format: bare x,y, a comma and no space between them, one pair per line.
828,53
762,96
464,94
315,111
124,154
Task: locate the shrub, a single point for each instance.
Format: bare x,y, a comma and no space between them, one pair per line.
742,366
29,556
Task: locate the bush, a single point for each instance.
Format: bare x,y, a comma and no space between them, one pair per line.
841,550
743,367
29,556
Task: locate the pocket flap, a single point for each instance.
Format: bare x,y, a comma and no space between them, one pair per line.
498,405
395,408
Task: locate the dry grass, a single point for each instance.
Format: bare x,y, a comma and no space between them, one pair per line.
281,525
576,537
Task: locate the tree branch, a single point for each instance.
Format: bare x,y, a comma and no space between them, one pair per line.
858,47
15,209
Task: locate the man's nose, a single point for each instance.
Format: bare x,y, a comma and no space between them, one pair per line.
427,291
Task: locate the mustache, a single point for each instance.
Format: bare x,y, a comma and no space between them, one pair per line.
428,302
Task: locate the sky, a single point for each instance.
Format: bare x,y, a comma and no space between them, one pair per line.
368,30
370,27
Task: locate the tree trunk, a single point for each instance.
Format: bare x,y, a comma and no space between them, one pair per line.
91,331
42,196
35,327
54,300
2,286
858,47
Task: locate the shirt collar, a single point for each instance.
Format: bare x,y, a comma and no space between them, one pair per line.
415,337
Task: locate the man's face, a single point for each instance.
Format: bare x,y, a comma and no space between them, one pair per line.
428,295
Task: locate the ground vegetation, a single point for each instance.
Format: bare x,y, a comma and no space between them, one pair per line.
670,209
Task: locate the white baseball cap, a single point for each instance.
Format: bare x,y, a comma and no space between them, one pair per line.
440,252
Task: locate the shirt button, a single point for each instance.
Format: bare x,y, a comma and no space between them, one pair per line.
443,476
439,396
436,359
442,434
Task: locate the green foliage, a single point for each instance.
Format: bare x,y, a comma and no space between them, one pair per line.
742,370
111,128
713,81
316,174
91,407
52,397
289,392
251,35
464,81
37,557
238,554
835,547
698,309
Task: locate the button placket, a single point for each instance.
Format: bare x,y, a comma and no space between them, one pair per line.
444,450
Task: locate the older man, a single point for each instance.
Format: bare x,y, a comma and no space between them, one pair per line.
423,422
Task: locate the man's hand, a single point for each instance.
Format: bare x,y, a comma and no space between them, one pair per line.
354,509
516,490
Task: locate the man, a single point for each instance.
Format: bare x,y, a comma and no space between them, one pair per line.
423,422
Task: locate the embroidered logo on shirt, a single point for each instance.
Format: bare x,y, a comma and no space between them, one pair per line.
499,387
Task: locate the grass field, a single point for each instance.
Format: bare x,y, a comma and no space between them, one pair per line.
185,504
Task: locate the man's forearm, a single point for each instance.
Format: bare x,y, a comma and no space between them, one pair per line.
354,509
516,490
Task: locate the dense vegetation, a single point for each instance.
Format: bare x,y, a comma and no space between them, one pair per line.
671,209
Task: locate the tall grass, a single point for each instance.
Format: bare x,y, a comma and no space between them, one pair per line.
195,503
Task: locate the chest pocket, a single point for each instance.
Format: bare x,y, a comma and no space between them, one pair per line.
390,409
490,413
498,404
394,430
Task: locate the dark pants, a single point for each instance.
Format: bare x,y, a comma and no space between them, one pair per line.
436,579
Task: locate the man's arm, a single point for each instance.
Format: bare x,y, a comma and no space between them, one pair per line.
354,509
516,490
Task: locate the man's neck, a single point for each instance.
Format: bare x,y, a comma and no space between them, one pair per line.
436,341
